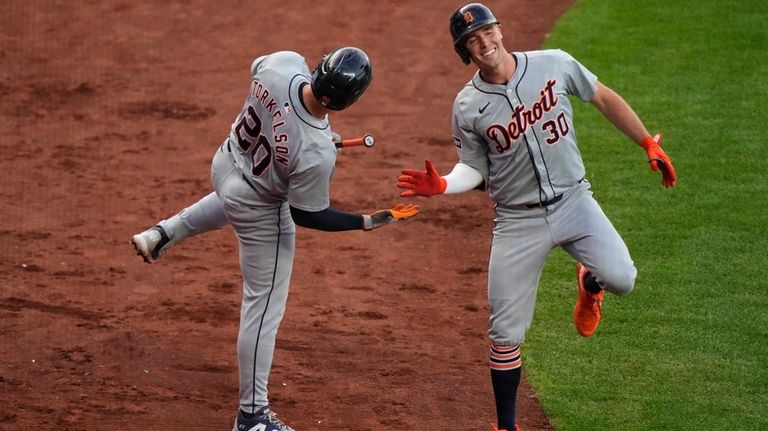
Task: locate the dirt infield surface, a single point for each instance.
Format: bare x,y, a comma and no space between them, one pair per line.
111,111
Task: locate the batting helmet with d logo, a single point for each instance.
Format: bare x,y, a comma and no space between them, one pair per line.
464,21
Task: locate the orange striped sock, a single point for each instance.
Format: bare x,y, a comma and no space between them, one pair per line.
506,370
504,358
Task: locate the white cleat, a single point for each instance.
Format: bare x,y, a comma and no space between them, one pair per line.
150,243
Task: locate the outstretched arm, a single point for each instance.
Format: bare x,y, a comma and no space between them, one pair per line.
619,113
329,219
332,220
616,110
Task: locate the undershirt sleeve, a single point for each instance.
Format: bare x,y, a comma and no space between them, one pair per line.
329,219
463,178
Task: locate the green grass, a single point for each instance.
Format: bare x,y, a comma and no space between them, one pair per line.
687,349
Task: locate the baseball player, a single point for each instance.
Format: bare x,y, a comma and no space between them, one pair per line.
274,169
514,133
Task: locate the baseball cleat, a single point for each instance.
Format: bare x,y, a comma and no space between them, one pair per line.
588,309
150,243
263,420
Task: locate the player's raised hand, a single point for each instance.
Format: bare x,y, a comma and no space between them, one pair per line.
421,183
392,215
659,160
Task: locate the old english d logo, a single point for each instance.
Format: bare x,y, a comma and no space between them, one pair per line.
468,18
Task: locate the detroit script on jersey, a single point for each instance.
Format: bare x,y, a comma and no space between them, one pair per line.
523,117
520,135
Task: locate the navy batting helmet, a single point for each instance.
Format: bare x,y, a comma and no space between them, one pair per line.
341,77
464,21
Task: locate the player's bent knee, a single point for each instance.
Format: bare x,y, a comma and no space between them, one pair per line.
620,282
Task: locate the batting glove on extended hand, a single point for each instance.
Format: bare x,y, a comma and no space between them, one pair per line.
394,214
659,160
421,183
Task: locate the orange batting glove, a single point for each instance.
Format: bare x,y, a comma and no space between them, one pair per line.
392,215
659,160
421,183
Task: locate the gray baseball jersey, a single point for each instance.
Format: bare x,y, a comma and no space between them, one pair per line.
284,151
520,135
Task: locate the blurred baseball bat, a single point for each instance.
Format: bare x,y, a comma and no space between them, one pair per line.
366,140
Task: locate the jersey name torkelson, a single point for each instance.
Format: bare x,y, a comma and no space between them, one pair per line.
284,152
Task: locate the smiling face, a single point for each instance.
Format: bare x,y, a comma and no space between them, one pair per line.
485,47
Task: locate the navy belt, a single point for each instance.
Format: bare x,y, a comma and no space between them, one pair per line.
554,200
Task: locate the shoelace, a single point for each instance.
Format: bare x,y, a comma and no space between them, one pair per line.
272,418
596,306
597,302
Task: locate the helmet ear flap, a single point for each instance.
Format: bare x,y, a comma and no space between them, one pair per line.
322,61
463,53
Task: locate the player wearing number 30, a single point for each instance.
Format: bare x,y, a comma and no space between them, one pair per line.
274,169
514,132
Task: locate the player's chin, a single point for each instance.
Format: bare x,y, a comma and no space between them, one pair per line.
489,60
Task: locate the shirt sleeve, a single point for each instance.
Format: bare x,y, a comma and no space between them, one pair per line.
579,80
471,148
308,184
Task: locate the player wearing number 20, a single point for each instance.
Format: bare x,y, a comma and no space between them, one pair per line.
514,133
272,171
